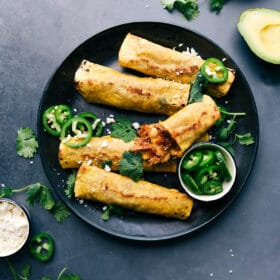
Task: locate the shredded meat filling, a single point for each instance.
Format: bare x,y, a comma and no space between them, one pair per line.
155,144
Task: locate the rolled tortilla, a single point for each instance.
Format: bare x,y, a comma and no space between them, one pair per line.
155,60
159,142
93,183
103,85
105,148
192,122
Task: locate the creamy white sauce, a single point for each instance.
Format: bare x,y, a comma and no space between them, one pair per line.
14,228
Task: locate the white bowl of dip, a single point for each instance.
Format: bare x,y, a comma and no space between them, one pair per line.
14,227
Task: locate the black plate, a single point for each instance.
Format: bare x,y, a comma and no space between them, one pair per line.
103,49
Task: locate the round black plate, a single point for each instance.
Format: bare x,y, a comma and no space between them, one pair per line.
103,49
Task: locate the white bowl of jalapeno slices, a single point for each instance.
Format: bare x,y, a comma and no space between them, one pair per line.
207,171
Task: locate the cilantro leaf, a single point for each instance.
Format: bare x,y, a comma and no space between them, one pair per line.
70,183
111,209
189,8
225,132
60,212
131,165
40,193
216,5
6,191
63,276
245,139
122,129
26,143
196,88
25,274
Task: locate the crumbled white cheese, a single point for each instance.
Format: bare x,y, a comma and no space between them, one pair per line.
14,228
107,168
110,120
192,52
136,125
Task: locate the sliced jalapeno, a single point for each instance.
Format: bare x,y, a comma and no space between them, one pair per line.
192,161
212,187
97,126
208,173
208,158
221,163
41,246
62,113
214,70
76,132
191,183
50,123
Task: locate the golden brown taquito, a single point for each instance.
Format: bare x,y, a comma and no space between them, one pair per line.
93,183
192,122
155,60
104,85
105,148
167,139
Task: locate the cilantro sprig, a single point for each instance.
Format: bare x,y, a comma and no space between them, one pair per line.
226,134
216,5
122,129
39,193
70,183
25,273
190,8
64,276
26,142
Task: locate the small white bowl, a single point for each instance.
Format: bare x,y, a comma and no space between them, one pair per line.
14,227
230,163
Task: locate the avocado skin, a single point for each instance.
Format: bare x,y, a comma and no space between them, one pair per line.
260,28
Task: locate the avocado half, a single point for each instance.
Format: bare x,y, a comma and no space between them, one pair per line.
260,28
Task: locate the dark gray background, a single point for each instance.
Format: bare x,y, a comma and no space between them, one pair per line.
243,243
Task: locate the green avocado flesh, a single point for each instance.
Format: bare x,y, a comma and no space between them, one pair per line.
260,28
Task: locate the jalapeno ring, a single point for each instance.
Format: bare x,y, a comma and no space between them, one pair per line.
214,70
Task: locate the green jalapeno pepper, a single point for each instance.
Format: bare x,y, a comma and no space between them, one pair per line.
222,165
214,70
191,183
192,161
212,187
77,129
62,113
50,123
97,126
208,158
208,173
41,246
